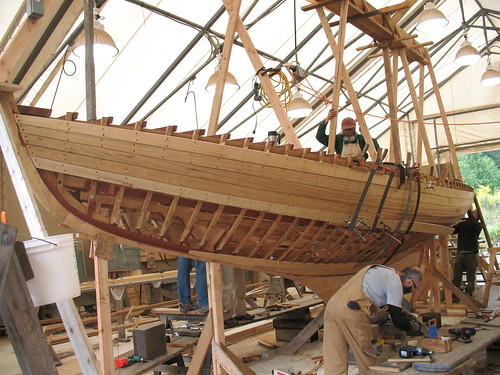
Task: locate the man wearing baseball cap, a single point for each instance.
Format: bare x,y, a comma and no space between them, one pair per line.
347,142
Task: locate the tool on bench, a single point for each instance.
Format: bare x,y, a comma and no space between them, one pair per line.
431,367
463,334
410,351
122,361
381,154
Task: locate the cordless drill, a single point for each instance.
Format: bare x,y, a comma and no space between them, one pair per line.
122,362
410,351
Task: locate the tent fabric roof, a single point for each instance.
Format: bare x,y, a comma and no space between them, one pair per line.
167,53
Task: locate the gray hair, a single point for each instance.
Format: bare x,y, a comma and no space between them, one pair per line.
413,273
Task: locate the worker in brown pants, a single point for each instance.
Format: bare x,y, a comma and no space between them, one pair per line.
368,297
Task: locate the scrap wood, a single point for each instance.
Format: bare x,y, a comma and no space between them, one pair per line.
267,344
314,370
251,357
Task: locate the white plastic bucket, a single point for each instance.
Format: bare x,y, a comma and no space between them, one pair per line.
55,268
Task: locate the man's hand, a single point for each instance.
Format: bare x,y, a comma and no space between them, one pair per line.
331,114
378,315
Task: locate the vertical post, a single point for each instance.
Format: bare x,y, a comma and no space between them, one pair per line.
233,9
102,250
348,85
88,22
339,59
396,151
418,110
449,138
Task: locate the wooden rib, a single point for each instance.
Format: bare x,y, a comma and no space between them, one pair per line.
266,236
311,241
218,138
105,121
92,196
237,142
211,226
168,216
297,240
115,213
169,130
192,220
250,232
292,225
232,229
144,210
324,248
139,125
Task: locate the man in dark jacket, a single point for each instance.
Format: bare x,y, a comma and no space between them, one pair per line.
468,231
347,142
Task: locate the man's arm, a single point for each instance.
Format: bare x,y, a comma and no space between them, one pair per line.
401,320
321,136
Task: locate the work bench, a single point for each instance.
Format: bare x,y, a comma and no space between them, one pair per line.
461,352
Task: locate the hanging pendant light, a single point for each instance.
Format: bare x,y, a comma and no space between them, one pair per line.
431,18
298,107
104,45
230,81
466,55
490,77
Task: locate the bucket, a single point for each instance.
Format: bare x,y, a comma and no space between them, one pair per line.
55,269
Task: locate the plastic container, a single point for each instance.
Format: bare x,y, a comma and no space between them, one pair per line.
55,268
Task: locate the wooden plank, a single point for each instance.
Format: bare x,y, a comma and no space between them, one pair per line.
418,111
264,238
227,236
230,362
104,313
211,226
266,82
233,9
168,216
291,247
202,347
141,221
115,214
348,85
250,232
18,313
339,60
191,222
283,237
310,329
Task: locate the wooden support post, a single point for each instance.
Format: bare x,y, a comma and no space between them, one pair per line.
449,138
71,318
102,250
233,9
418,110
348,85
446,268
392,97
18,313
339,59
216,310
265,81
202,347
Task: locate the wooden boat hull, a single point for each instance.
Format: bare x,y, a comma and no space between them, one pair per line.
256,206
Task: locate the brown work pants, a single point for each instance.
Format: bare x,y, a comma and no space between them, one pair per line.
347,328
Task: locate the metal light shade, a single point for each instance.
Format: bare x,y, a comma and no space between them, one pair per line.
104,45
467,55
299,107
491,77
229,82
431,18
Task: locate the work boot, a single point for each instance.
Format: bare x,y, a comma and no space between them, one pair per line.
204,309
190,305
